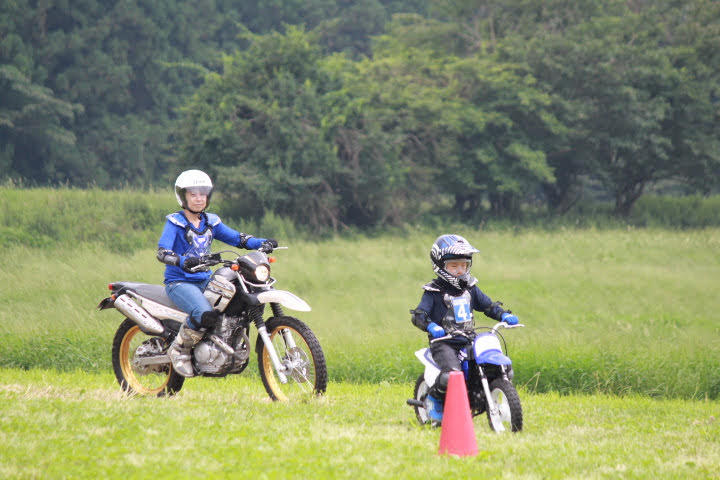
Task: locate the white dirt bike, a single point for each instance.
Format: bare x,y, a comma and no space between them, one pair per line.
290,359
488,377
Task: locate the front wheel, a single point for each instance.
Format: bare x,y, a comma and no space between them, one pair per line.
507,403
129,345
420,394
301,357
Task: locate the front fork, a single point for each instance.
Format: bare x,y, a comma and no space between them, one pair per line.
280,369
287,335
492,409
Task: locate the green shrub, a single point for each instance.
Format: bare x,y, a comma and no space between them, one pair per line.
677,212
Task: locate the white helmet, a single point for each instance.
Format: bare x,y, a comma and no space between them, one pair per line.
193,180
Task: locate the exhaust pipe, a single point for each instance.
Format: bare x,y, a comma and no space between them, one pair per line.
137,314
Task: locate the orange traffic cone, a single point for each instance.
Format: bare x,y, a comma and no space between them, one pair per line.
458,434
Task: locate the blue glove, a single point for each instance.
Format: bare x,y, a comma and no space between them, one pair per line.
253,243
435,330
509,318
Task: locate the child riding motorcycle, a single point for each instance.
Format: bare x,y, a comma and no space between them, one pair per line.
447,306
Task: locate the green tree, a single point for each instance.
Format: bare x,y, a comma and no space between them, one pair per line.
258,128
35,125
479,125
351,26
691,32
35,134
629,85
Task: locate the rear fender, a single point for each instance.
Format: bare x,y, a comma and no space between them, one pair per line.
105,303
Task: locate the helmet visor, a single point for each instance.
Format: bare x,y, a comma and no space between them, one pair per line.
199,190
457,267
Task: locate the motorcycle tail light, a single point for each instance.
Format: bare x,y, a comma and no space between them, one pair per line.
110,286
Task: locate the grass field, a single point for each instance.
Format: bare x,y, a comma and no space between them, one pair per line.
77,425
618,367
618,311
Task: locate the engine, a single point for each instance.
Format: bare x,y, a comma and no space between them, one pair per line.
210,359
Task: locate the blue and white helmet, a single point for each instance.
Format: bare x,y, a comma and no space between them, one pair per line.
452,247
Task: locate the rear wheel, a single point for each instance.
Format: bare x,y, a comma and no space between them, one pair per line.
131,344
301,356
507,403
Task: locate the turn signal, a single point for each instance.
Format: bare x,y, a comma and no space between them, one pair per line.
271,259
234,267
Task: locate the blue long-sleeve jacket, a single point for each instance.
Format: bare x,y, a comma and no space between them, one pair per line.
183,239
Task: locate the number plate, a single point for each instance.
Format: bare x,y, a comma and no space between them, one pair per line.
462,310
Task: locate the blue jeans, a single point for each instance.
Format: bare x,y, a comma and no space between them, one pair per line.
188,297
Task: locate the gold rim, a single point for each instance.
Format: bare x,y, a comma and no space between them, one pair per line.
269,369
126,352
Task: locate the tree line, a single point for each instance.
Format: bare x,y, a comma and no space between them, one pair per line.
366,113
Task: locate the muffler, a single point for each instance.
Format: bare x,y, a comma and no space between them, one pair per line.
128,307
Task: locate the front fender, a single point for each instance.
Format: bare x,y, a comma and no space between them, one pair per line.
493,357
286,299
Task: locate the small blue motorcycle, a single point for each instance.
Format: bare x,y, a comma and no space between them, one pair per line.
488,377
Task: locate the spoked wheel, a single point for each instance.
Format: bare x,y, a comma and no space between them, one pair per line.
508,410
301,357
130,345
420,394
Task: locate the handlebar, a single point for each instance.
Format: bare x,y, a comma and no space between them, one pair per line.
459,335
216,258
208,261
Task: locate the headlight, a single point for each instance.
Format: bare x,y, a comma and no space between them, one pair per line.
262,273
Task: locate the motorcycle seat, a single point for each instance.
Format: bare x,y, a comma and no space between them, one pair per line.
150,291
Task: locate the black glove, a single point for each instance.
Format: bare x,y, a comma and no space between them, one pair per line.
189,263
268,245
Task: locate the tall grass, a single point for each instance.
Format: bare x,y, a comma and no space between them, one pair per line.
125,221
692,211
122,221
616,311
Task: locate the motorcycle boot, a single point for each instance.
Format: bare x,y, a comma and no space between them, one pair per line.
179,351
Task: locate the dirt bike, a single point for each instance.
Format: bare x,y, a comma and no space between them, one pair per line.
488,377
290,359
